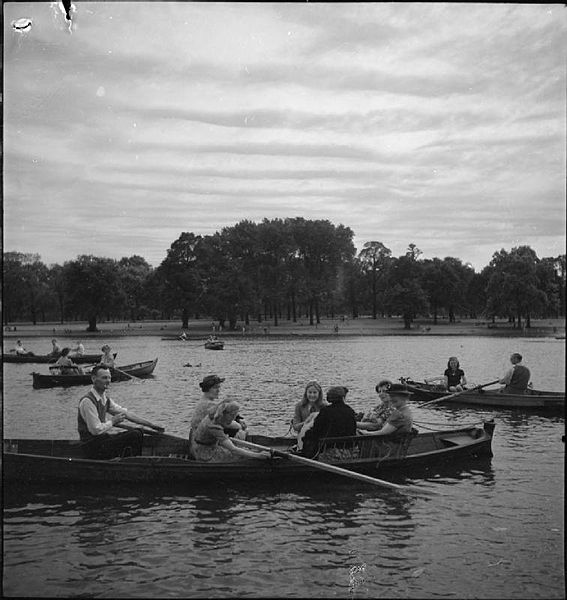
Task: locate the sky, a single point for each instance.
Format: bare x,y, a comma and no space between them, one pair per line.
441,125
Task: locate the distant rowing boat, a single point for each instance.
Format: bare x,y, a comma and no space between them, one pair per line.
141,369
530,399
48,358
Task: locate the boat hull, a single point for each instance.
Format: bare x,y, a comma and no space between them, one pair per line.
17,358
165,459
532,399
142,369
214,345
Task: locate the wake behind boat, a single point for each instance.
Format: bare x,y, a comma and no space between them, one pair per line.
165,458
140,369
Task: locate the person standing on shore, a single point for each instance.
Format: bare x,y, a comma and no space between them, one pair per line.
517,378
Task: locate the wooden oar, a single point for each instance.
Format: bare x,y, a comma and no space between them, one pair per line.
127,374
442,398
142,429
332,468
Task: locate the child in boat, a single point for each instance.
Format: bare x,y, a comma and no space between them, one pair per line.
209,442
375,418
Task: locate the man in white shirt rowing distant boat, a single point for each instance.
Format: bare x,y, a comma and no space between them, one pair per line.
94,428
517,378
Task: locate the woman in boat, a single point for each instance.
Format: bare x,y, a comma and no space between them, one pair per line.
455,380
78,350
55,349
211,390
400,420
209,442
19,349
107,359
66,365
375,418
312,402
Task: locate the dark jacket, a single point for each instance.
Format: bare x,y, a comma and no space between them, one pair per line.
337,419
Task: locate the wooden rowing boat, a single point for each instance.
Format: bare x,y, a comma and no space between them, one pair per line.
48,358
165,458
216,345
530,399
140,369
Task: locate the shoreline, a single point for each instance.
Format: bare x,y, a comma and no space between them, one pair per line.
361,327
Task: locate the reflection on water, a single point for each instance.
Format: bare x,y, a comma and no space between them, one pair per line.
495,529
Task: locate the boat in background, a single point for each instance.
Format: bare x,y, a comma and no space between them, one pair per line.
140,369
530,399
165,458
47,358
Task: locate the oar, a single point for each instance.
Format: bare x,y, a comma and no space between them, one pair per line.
142,429
333,469
478,387
127,374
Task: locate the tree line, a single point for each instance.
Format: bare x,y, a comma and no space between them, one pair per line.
282,269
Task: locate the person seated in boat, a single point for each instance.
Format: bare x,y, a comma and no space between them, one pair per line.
55,349
400,420
65,365
334,420
454,376
517,379
308,407
209,441
19,349
94,426
375,418
211,390
107,359
78,350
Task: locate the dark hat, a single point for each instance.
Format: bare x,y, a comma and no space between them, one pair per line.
398,389
384,383
338,391
209,381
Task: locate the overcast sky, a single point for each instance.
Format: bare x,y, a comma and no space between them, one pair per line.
437,124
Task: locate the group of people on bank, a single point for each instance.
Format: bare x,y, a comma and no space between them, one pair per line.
216,424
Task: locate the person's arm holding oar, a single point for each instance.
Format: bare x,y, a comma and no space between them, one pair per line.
467,391
128,416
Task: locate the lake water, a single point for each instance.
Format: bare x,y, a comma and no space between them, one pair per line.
497,531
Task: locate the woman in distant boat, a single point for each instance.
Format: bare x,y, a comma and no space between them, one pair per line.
455,380
209,441
311,403
19,349
66,365
375,418
107,359
78,350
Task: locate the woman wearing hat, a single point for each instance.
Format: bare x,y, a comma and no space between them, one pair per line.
211,390
400,420
375,418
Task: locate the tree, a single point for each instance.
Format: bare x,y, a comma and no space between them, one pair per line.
374,258
134,272
92,287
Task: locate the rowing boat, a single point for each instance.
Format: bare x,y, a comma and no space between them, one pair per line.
140,369
216,345
48,358
165,458
530,399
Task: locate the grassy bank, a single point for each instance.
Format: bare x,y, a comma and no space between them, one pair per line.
285,329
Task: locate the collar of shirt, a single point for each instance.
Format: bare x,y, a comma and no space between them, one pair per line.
100,398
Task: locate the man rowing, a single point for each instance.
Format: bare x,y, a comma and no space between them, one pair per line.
517,378
94,427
